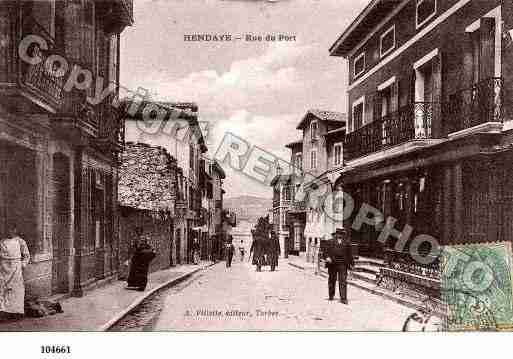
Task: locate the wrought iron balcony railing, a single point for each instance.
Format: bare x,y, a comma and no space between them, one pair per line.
39,79
111,124
411,122
470,107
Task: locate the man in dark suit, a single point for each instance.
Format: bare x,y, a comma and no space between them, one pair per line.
258,250
274,251
339,259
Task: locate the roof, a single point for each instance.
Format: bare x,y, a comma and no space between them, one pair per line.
323,115
368,19
174,111
295,143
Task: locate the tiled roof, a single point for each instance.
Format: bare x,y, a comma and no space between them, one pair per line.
328,115
147,178
292,144
322,115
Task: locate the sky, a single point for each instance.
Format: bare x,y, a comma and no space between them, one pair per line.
257,90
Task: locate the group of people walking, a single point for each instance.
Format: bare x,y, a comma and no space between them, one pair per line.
265,250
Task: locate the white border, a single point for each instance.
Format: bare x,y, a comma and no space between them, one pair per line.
425,59
417,25
338,144
313,150
358,101
474,26
381,53
354,65
316,132
387,83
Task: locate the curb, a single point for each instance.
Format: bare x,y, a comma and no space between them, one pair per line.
296,266
139,300
401,301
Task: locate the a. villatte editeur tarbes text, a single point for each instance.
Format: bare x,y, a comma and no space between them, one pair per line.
231,313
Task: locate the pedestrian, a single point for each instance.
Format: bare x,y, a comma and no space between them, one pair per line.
139,265
242,251
339,259
258,250
274,251
229,252
196,250
14,256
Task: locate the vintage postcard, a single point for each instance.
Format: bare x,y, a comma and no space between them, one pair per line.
256,165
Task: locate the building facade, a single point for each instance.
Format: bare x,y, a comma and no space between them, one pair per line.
429,127
299,197
175,127
59,151
147,194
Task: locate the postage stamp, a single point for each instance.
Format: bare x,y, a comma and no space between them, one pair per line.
476,286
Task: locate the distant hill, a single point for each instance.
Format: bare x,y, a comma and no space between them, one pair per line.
248,208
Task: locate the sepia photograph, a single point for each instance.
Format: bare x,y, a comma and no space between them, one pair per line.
255,166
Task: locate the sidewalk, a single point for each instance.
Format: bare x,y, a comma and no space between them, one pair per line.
100,307
302,264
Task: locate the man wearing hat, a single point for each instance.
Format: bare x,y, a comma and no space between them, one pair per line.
338,259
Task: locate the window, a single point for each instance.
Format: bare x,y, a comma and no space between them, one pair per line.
191,157
387,41
359,64
313,159
287,193
426,9
113,59
313,130
358,117
299,161
337,154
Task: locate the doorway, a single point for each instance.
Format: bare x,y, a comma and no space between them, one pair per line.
62,222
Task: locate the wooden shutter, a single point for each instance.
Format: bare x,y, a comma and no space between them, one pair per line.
487,56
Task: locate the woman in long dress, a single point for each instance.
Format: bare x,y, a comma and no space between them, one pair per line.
14,256
139,266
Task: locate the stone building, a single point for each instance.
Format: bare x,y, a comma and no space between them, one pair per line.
59,151
147,191
175,127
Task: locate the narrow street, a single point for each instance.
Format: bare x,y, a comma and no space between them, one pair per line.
239,298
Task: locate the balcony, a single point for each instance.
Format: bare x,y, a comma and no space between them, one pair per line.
411,122
479,108
111,132
480,104
38,81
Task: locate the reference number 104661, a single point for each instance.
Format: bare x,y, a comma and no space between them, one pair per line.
55,349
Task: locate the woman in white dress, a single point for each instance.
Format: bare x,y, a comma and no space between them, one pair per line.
14,256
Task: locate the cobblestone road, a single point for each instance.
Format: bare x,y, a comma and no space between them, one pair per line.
239,298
